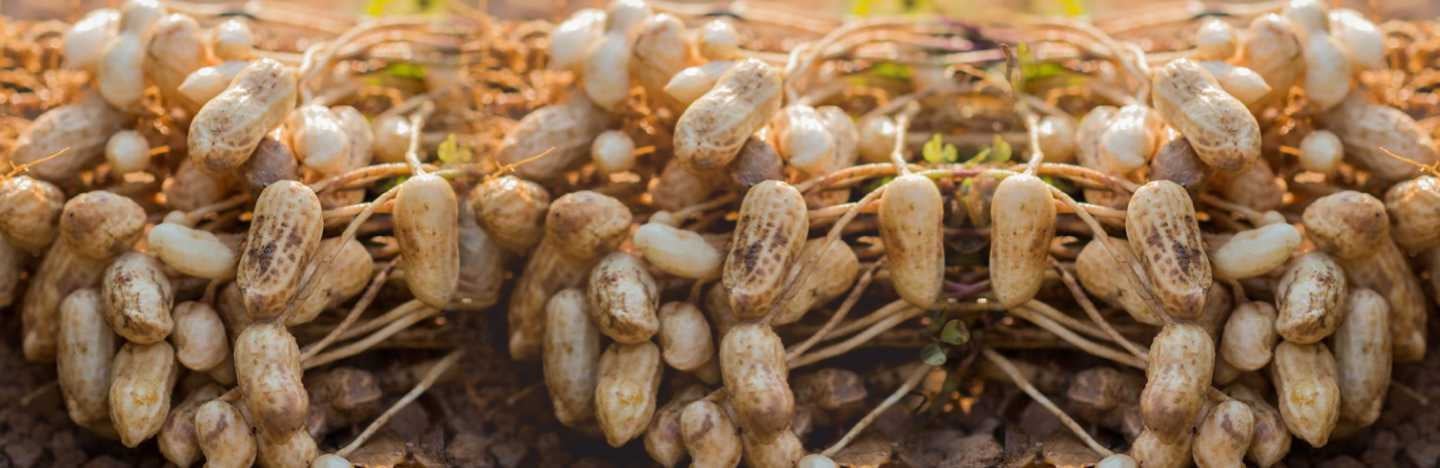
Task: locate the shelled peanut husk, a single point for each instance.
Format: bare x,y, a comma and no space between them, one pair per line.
718,235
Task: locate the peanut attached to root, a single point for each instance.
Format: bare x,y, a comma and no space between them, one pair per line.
679,252
1128,140
199,336
685,341
572,38
1021,238
1249,336
1182,358
1311,297
267,366
624,299
1381,139
120,75
1363,357
779,451
572,349
138,298
580,228
752,363
178,440
283,237
227,129
94,228
86,39
711,131
224,435
204,83
1271,440
30,212
347,275
1154,450
607,70
1160,224
292,450
1097,269
711,439
1255,252
840,266
1224,436
662,48
1355,228
769,236
63,141
482,266
1364,44
1272,48
801,137
140,391
1414,209
566,130
1307,389
512,210
664,440
1224,134
176,49
426,212
85,349
319,139
626,390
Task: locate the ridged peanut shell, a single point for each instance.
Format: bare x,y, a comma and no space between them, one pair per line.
1161,227
227,129
711,131
1219,127
768,237
284,233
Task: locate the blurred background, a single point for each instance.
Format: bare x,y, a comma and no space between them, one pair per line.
554,9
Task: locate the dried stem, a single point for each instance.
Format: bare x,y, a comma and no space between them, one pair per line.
905,388
356,310
1020,381
1085,303
429,379
1083,344
839,315
366,343
857,340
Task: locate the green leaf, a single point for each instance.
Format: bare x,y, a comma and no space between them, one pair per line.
1001,150
893,71
980,157
933,354
864,8
955,333
404,70
451,152
936,151
382,8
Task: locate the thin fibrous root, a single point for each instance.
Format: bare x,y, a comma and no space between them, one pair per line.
429,379
905,388
1015,376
